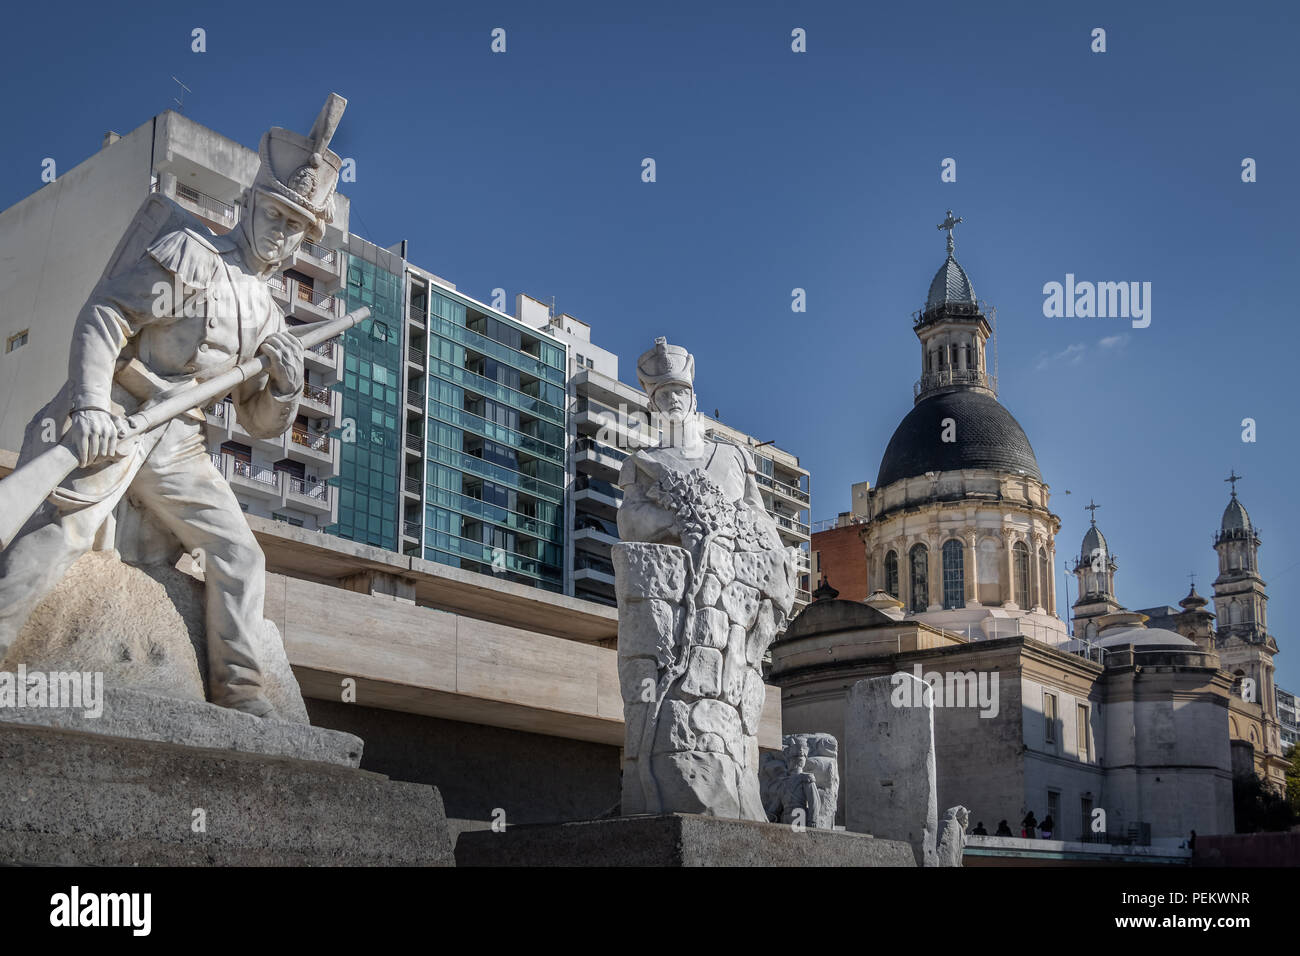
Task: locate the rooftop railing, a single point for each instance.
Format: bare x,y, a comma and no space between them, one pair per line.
210,206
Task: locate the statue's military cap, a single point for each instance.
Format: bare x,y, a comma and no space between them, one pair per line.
303,171
665,364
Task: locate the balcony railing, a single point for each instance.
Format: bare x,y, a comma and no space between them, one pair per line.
319,299
796,493
582,560
305,438
586,443
790,524
316,394
954,376
412,484
414,442
318,252
415,398
584,482
220,412
316,490
324,349
418,314
258,473
415,355
278,284
411,529
209,206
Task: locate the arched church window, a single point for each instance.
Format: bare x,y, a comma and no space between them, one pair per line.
954,575
891,574
1020,563
919,573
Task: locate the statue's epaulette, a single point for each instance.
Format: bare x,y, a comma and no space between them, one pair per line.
746,456
189,254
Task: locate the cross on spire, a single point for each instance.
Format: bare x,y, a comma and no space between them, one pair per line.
1192,577
1233,477
1092,506
948,224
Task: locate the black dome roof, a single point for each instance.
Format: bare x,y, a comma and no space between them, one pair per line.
987,437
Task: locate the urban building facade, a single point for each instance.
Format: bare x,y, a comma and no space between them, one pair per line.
1287,718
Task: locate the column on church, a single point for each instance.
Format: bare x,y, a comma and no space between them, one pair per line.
1008,570
935,542
1036,600
971,571
904,574
1051,563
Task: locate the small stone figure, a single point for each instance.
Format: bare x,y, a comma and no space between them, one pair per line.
704,585
805,777
952,836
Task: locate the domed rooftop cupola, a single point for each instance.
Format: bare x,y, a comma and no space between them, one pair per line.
1096,566
955,386
950,286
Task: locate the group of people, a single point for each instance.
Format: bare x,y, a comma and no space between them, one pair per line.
1028,826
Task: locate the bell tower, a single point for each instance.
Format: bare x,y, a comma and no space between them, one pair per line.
1095,571
953,330
1245,647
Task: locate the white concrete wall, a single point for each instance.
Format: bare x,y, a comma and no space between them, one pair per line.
53,247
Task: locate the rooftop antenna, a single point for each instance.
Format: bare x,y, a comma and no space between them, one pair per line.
552,306
180,103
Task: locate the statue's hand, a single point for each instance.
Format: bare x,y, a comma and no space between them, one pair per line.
94,435
285,352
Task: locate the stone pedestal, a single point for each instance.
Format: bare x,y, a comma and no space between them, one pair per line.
675,839
70,797
889,762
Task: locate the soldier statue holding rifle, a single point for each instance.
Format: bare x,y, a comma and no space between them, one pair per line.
181,317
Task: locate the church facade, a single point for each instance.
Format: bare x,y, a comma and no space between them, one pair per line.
1130,725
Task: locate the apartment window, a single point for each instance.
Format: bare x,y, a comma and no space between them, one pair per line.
590,363
1049,717
1054,811
16,341
1085,816
581,361
296,522
1082,719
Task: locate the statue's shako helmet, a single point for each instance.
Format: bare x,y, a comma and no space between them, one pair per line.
663,365
303,171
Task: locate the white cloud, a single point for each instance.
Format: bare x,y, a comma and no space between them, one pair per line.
1113,341
1070,355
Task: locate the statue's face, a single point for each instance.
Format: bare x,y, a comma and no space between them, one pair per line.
675,402
274,229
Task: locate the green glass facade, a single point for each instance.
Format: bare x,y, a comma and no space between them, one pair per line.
494,440
369,465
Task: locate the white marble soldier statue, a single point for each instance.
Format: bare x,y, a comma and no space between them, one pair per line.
704,585
134,340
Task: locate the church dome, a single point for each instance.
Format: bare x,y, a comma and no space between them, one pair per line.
1235,517
950,285
987,437
1093,540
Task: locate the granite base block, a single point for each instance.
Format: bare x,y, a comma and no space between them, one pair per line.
142,715
675,839
74,798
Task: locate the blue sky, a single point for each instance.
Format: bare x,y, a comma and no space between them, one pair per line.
820,171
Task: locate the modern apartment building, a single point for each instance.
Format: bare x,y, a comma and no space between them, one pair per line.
606,419
1288,717
483,482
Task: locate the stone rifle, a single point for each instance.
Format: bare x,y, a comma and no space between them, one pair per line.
22,492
